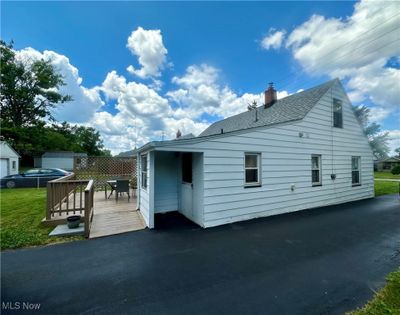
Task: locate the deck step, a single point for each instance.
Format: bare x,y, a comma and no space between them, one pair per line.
64,230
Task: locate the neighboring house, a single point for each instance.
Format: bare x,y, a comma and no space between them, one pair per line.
58,159
386,165
303,151
9,160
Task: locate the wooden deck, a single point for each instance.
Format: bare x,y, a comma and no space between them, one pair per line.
115,217
109,216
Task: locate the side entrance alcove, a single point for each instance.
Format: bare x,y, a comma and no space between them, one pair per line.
178,184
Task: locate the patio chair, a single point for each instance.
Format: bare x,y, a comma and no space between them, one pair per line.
122,186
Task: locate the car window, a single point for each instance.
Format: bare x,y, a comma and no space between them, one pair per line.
48,172
44,171
32,172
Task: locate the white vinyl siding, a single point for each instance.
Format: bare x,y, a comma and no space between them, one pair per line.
9,160
65,163
355,170
166,182
284,161
316,170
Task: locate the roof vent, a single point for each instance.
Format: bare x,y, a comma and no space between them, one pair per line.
270,96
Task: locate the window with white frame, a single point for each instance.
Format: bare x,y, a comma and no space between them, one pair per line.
355,170
143,178
252,169
14,165
316,170
337,113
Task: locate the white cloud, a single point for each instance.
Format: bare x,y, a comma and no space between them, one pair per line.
394,140
273,40
197,75
141,112
199,91
142,115
148,46
377,83
86,101
355,48
377,114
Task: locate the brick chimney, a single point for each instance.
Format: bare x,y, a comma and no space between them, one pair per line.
270,96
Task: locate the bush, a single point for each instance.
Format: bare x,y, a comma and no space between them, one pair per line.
396,170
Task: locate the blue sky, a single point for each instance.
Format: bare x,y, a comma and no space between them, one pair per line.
227,50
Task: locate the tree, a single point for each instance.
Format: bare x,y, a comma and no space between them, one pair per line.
81,139
252,106
397,151
89,140
377,140
28,89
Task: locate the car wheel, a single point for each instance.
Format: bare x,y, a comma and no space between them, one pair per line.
10,184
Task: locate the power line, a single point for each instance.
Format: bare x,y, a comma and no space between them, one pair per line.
291,77
286,78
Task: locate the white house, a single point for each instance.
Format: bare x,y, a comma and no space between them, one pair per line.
303,151
59,159
9,160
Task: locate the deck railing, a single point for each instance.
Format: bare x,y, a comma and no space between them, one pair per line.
69,196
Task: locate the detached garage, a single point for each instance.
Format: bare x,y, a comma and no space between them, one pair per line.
9,160
60,159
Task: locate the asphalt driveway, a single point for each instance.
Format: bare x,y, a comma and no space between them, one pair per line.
323,261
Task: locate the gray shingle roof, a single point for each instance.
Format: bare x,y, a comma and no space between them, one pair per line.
293,107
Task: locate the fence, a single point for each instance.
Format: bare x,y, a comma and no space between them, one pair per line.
101,169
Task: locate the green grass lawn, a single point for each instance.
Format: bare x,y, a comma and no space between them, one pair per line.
386,175
384,188
386,301
22,210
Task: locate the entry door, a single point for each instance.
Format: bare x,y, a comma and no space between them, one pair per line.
187,185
